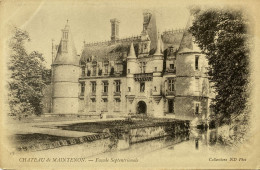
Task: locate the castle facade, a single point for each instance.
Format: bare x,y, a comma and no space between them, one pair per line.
153,74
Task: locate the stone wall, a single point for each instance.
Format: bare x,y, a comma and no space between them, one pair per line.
186,107
100,141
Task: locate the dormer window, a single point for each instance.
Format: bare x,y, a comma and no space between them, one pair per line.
172,66
171,49
106,69
83,70
65,35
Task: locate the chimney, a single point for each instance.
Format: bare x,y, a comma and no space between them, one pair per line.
114,29
147,17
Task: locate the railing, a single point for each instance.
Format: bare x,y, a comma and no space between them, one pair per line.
143,77
172,70
81,95
170,93
117,93
104,93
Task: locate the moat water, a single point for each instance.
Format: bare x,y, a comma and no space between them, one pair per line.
194,143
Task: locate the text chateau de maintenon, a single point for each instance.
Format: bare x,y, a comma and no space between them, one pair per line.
156,75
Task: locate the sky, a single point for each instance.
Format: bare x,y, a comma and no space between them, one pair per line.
89,20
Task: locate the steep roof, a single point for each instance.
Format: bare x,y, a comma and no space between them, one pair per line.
181,41
187,44
70,55
172,39
110,51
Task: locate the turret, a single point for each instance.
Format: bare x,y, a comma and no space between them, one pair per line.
132,66
158,56
157,77
66,73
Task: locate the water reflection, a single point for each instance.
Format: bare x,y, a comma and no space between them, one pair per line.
197,143
206,137
193,141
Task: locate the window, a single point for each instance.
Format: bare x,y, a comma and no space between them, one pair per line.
197,84
82,89
65,35
94,70
143,66
196,62
128,70
93,105
142,86
83,71
105,86
171,106
171,50
106,69
105,104
129,89
117,105
171,85
117,83
93,87
171,66
155,68
197,108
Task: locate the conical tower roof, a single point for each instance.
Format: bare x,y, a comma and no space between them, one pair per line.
131,54
187,43
66,53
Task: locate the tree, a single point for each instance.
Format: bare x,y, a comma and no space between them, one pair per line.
27,75
223,36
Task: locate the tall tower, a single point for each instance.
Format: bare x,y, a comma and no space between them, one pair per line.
147,17
192,82
157,78
66,73
114,29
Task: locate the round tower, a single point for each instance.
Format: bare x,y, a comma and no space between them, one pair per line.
66,71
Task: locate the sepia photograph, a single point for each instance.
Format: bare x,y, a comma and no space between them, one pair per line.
129,84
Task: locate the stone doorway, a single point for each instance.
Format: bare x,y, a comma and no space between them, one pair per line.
141,107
